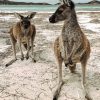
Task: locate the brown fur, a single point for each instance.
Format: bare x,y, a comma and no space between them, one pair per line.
17,35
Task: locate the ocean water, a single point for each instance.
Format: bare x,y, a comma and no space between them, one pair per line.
47,8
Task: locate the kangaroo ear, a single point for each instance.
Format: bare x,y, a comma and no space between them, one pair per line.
64,1
31,15
19,16
72,5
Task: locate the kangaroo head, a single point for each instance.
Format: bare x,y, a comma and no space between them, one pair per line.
25,21
63,12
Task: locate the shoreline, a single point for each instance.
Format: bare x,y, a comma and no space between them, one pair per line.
11,12
46,9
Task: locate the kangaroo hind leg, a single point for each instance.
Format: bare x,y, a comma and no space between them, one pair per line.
59,62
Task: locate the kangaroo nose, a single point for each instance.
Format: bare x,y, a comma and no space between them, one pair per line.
50,19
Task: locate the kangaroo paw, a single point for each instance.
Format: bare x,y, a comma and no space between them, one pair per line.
55,98
88,97
27,57
33,60
22,58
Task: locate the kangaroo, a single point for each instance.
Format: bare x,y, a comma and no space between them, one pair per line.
23,32
72,46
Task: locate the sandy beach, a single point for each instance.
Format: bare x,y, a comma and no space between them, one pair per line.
24,80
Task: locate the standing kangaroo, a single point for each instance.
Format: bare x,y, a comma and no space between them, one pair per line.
23,32
71,46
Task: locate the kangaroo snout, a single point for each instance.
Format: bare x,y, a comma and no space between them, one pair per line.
52,19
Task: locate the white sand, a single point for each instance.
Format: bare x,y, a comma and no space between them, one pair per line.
24,80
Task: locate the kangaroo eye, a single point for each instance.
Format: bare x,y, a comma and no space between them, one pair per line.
60,11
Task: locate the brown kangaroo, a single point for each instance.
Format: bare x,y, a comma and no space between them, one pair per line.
72,46
23,32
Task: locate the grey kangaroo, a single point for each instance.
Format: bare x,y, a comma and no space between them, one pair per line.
72,46
24,33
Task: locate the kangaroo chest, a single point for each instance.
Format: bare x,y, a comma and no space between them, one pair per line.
25,32
70,42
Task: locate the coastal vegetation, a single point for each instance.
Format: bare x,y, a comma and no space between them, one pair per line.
7,2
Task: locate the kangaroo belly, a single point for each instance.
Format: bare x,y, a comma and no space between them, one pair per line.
71,50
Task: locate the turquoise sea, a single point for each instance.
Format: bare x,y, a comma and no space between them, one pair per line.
49,8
